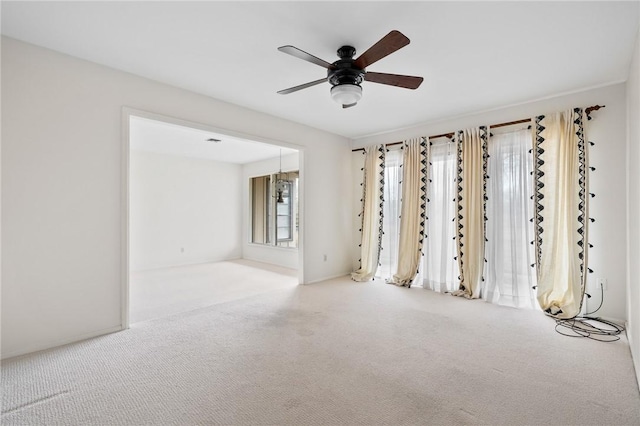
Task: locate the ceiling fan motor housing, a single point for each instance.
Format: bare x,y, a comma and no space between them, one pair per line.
343,71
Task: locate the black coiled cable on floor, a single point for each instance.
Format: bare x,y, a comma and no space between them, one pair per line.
587,326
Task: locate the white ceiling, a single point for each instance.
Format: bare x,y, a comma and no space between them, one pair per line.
474,56
166,138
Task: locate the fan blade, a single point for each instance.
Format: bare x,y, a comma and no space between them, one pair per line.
302,86
406,81
388,44
349,105
301,54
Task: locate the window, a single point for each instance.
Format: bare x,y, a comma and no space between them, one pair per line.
439,269
284,211
260,195
391,214
509,277
274,209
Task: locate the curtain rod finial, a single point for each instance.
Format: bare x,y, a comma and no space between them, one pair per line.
590,109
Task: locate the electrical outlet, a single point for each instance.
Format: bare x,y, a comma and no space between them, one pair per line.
181,249
601,283
585,305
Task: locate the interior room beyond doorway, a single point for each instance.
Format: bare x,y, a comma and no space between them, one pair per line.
194,214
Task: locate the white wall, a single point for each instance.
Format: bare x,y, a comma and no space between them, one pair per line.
183,210
633,194
608,182
62,168
287,257
1,207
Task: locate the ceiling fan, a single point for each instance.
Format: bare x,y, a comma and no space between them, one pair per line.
346,74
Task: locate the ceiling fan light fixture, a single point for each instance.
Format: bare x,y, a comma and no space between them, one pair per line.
346,94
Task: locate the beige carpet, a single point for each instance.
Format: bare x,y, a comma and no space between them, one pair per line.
333,353
162,292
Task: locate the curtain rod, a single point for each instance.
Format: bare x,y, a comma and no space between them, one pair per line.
587,111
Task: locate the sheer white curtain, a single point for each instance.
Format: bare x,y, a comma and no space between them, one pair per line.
509,277
391,211
439,270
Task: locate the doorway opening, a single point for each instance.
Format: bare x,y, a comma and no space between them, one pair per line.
193,213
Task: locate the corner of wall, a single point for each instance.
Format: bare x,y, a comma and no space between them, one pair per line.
633,205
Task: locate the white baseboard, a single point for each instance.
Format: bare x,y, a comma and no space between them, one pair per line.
198,261
635,357
57,343
344,274
289,265
615,320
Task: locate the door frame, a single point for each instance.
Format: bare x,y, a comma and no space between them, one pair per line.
127,113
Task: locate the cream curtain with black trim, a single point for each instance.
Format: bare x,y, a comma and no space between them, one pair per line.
470,209
372,203
561,208
413,212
